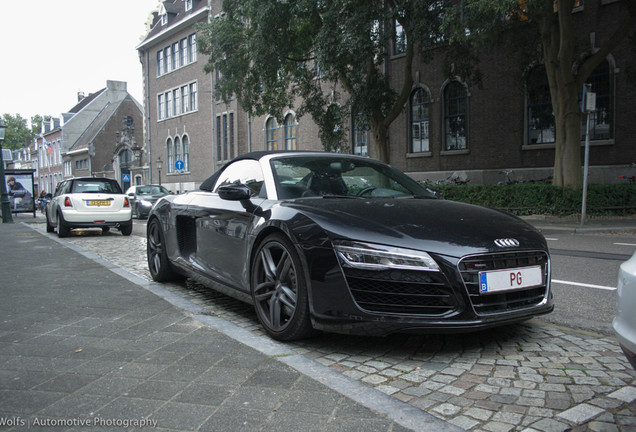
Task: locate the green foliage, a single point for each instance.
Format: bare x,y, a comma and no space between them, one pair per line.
17,134
322,57
525,199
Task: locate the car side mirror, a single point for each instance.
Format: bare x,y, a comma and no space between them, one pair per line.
234,192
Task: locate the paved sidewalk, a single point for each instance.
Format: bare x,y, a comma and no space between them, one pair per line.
83,347
530,377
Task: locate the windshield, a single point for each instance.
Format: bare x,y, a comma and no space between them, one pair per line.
151,190
332,176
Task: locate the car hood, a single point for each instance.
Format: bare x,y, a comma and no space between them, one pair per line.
437,226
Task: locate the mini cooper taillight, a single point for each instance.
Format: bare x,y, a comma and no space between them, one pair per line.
67,202
126,202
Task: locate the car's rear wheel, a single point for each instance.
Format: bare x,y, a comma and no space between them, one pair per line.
49,228
158,263
62,228
126,229
279,290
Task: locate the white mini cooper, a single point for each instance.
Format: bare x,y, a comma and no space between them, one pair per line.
88,202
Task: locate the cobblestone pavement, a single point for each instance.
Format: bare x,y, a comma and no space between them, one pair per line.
529,377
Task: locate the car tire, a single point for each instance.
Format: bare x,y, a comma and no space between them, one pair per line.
158,263
279,289
49,228
126,228
62,228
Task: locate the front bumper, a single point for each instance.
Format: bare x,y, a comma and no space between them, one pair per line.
378,303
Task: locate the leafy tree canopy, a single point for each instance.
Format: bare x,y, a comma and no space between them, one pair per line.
18,134
324,57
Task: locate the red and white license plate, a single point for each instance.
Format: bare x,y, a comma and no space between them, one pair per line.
510,279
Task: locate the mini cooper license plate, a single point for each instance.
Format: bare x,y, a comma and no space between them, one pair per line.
510,279
98,202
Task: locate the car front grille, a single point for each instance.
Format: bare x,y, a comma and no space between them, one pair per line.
507,301
405,292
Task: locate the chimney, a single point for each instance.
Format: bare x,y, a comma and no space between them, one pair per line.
80,96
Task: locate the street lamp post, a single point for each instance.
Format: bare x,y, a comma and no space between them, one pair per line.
159,166
4,199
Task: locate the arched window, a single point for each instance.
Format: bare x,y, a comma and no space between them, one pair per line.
420,112
601,120
169,150
271,134
540,115
186,153
177,149
360,137
455,116
290,132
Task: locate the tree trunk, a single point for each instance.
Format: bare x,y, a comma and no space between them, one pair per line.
379,148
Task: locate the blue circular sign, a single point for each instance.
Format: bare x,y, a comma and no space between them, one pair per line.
179,165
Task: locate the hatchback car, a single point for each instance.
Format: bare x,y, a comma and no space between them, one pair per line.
142,198
88,202
625,321
350,245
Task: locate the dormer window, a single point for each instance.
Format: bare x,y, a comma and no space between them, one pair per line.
163,15
188,5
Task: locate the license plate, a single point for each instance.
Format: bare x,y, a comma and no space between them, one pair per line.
510,279
98,202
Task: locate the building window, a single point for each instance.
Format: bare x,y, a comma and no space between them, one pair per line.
177,149
225,136
184,51
399,39
231,136
170,156
271,134
218,139
186,153
193,97
291,127
360,137
455,115
601,120
420,119
192,55
167,53
169,105
176,101
160,63
540,116
184,100
188,5
176,58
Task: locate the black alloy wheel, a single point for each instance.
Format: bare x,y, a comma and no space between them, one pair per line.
49,228
158,263
279,290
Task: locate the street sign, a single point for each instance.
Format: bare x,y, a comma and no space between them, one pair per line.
125,177
179,165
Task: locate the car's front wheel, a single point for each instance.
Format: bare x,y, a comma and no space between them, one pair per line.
158,263
279,290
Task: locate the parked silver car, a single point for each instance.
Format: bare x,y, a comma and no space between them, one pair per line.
625,320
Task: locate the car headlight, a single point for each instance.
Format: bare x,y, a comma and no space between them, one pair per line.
380,257
145,203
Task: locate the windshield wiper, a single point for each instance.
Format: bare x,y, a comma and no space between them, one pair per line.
341,196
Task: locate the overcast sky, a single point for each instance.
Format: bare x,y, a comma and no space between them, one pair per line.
53,49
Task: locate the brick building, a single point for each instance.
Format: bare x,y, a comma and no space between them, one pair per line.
447,126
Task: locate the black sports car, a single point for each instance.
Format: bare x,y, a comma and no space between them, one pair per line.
325,241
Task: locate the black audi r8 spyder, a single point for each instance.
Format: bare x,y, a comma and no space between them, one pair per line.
346,244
